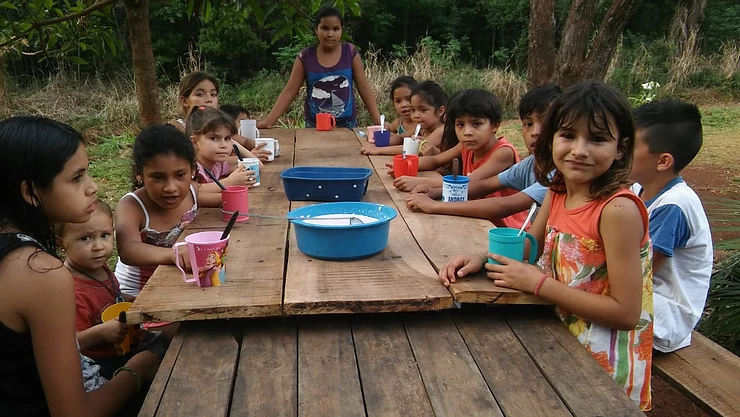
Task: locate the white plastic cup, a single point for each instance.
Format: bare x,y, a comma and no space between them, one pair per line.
410,146
270,146
252,164
248,129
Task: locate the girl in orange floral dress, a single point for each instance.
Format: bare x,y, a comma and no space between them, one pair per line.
596,264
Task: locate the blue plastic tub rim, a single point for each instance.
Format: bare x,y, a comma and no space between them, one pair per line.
383,213
327,173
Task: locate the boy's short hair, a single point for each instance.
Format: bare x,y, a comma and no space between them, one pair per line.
671,126
538,99
475,103
234,110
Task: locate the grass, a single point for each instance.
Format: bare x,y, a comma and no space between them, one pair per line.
721,125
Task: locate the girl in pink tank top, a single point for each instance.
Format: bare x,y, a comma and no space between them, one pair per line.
596,263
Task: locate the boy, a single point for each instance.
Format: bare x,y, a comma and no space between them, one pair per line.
669,135
532,113
236,111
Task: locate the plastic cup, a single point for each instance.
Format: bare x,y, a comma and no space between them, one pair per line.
325,121
408,166
270,146
235,198
248,129
410,146
505,242
382,138
111,313
207,253
252,164
371,132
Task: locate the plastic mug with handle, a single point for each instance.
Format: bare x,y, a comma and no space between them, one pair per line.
112,312
270,145
207,252
410,146
507,242
408,166
248,129
325,121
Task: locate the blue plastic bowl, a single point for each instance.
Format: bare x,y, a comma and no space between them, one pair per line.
325,183
346,242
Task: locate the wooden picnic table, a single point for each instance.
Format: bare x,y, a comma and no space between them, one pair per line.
493,360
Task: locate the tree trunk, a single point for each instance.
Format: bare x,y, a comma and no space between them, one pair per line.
605,44
574,42
147,92
541,53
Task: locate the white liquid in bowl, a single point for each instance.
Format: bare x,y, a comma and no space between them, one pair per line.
343,219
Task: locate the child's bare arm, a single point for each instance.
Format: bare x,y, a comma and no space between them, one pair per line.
487,208
501,160
371,149
131,249
289,93
481,187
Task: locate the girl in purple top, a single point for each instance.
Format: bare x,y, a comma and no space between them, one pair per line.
329,69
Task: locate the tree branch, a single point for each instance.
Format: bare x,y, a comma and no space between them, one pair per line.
95,7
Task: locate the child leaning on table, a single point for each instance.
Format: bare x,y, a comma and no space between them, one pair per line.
44,167
669,135
521,176
596,260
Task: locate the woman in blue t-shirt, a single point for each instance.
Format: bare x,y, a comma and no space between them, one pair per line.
330,69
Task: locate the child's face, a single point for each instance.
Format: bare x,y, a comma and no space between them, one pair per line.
71,197
204,94
531,128
474,132
329,31
213,146
402,101
89,245
240,117
583,153
644,163
167,180
424,113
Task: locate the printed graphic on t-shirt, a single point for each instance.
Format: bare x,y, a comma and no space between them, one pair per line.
331,94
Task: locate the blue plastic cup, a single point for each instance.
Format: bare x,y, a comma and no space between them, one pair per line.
454,190
505,242
382,138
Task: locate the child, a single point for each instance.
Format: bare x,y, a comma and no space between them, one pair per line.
236,112
669,135
88,246
596,262
211,131
329,69
43,164
150,219
403,126
474,116
428,102
532,111
200,89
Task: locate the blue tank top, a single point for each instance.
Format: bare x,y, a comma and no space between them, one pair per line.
329,89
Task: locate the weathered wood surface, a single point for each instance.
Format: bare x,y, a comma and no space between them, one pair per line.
441,237
254,267
398,279
706,372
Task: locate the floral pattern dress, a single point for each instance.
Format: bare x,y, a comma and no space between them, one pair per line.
574,254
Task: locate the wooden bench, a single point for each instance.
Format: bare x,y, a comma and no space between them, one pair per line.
706,373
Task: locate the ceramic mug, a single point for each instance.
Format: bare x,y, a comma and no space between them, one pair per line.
207,252
408,166
505,242
269,146
325,121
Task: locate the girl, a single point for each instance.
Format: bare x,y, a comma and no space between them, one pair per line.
474,116
150,219
428,102
404,126
45,181
211,131
596,263
200,89
329,69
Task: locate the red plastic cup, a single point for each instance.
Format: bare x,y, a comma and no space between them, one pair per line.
234,198
325,121
408,166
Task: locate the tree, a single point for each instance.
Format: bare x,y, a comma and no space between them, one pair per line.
577,58
540,66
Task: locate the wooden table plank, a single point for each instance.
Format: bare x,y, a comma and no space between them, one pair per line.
398,279
201,380
328,380
518,385
453,381
266,381
159,383
391,383
585,388
254,268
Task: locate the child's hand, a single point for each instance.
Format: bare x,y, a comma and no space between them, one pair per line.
261,124
421,189
239,177
182,258
406,183
262,154
460,266
513,274
369,149
113,331
145,364
389,166
421,202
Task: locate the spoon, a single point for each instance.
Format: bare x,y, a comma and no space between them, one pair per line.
418,129
229,225
352,219
122,317
529,217
382,123
213,177
455,168
361,134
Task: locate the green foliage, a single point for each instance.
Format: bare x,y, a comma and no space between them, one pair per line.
723,323
110,165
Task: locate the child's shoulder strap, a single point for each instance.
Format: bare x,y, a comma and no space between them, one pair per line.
12,241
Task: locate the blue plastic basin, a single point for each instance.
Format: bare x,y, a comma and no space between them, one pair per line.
346,242
325,183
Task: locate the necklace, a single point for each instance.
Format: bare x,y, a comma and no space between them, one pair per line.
111,285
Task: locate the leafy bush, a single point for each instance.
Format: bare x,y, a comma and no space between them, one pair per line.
723,323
